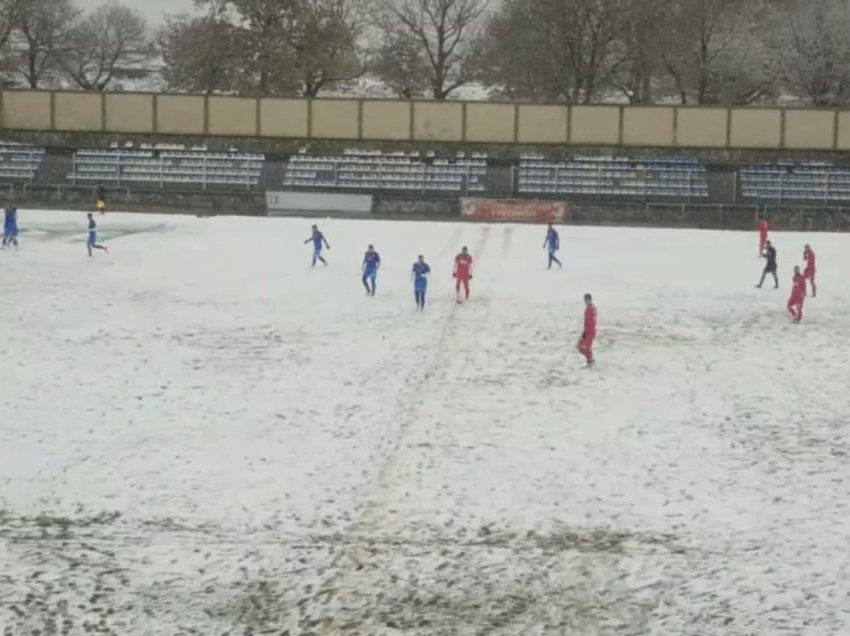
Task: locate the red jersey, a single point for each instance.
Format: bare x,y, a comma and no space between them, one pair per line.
463,265
763,227
809,257
798,286
590,321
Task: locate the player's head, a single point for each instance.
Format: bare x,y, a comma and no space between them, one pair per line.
551,225
464,250
371,248
315,227
588,299
796,269
90,215
421,258
807,247
768,244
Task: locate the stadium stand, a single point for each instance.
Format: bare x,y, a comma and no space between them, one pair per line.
399,171
20,163
170,165
790,181
612,177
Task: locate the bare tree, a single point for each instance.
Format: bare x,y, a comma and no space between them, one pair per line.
440,35
811,52
104,46
294,46
9,10
324,45
637,60
40,27
200,54
400,63
710,51
555,50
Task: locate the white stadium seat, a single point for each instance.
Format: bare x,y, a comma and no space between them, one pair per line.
20,163
397,171
167,164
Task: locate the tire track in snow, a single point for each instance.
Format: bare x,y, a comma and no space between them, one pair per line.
342,583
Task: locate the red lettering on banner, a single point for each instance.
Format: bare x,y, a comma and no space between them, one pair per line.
514,210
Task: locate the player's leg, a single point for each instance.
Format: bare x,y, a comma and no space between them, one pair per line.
374,281
466,287
775,280
763,276
365,281
814,287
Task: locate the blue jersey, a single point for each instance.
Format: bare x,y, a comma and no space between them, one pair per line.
318,241
553,241
92,226
10,219
420,275
371,262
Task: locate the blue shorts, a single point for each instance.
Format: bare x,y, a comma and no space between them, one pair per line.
420,288
370,273
553,251
92,238
317,251
10,231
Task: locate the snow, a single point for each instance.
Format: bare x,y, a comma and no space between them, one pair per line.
199,434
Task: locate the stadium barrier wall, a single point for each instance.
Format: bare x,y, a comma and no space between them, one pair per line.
371,120
706,216
289,203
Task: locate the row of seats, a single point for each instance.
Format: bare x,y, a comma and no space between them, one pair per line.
786,180
680,178
20,163
174,165
400,171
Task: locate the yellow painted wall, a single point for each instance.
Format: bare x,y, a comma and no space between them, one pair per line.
78,111
648,126
386,120
595,125
701,127
335,119
283,117
755,128
809,129
543,124
180,114
236,116
492,123
843,136
128,113
26,110
435,121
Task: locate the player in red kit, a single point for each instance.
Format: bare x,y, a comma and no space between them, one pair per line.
809,272
462,273
764,228
798,294
585,343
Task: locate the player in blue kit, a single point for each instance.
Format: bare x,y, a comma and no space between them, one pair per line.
10,228
421,271
553,244
371,264
92,241
319,242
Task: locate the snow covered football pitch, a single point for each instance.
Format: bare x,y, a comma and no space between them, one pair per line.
199,435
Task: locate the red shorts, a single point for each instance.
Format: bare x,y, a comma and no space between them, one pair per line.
809,274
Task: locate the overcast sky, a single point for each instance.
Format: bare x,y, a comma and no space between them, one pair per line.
152,9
